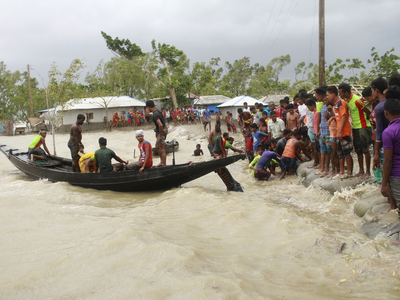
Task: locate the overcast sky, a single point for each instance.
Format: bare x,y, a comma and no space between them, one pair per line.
41,32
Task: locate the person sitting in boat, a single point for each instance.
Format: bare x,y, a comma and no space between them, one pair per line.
86,163
103,158
146,154
34,150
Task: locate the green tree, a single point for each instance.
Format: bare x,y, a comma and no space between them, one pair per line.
205,79
21,102
306,77
14,95
103,85
60,88
352,71
8,90
168,58
232,81
266,80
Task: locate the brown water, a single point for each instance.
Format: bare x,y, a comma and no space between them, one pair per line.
277,240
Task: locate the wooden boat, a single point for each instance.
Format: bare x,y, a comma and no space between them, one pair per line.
169,147
59,169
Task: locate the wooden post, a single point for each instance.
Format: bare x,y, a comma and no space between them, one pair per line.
321,42
29,86
244,75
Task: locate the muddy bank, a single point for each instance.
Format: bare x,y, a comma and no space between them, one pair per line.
374,223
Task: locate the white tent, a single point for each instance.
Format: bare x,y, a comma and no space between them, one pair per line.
235,103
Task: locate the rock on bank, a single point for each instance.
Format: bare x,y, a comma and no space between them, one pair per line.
370,207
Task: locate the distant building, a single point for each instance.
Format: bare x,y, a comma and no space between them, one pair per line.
211,101
237,102
92,108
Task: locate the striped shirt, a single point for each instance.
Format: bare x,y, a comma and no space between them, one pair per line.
323,127
355,105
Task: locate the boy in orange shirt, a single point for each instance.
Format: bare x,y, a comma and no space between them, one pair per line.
343,136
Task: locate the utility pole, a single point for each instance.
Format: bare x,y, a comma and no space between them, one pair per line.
244,74
30,94
321,42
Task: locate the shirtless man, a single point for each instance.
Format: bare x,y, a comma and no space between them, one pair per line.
291,152
217,119
292,118
245,118
75,142
211,141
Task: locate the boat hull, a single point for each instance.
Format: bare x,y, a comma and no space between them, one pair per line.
162,178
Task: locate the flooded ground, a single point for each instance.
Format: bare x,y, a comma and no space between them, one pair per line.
277,240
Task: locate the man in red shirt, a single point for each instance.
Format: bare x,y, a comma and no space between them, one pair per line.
272,108
146,154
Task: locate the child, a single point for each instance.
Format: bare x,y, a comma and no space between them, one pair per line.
289,155
233,125
343,136
332,141
274,142
228,121
234,128
391,155
248,140
198,151
260,173
258,136
324,140
218,119
312,127
260,151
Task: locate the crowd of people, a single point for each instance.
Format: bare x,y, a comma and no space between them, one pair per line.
325,126
134,117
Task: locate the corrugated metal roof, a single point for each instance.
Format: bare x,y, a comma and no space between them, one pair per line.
99,102
238,102
213,99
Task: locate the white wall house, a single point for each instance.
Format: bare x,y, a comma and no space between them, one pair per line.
94,108
235,103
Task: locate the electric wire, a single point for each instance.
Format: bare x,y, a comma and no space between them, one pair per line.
269,19
274,24
283,27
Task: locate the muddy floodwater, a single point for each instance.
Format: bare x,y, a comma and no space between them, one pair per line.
277,240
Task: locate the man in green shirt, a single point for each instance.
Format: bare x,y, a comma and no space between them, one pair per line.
103,158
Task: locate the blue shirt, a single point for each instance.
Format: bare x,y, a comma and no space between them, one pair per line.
267,110
323,127
206,114
257,136
266,158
